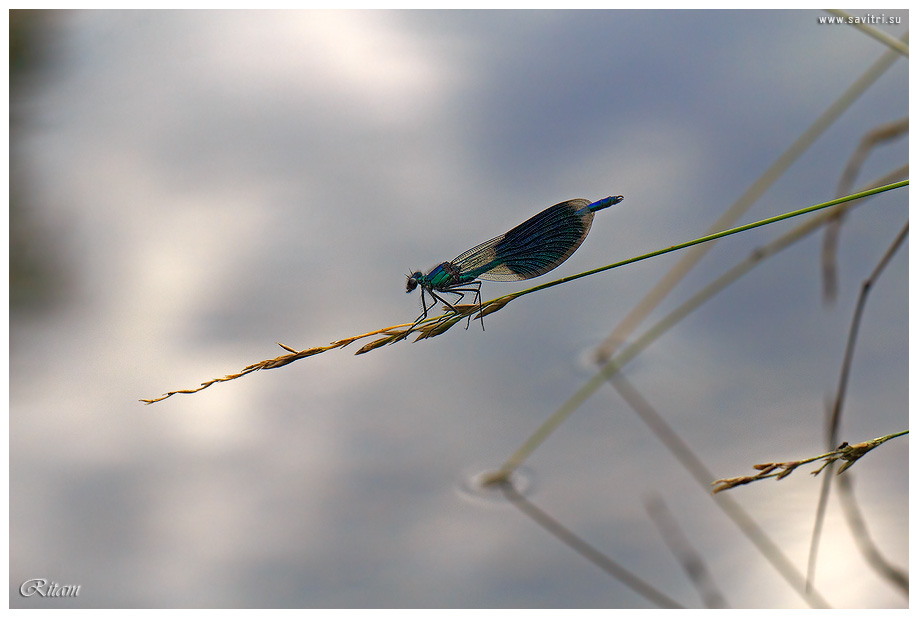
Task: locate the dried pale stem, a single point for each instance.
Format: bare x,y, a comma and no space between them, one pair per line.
870,141
758,188
900,47
696,467
566,536
280,361
898,577
690,560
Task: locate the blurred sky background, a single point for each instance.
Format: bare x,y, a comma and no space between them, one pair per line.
188,188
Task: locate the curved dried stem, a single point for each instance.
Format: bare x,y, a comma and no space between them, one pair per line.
870,141
834,420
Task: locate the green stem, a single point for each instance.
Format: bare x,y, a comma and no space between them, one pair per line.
710,237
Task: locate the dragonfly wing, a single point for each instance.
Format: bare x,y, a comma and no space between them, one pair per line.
537,245
479,259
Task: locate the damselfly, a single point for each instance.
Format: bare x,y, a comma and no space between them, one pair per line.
532,248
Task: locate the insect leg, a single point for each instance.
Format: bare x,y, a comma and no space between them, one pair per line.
461,293
425,307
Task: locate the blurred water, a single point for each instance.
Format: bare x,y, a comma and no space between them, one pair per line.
201,185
